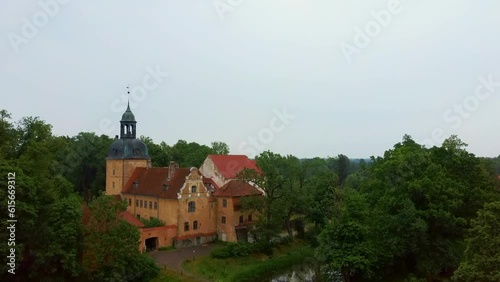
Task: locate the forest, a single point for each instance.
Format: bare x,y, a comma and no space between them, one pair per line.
413,214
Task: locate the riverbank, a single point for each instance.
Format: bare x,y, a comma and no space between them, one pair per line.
251,268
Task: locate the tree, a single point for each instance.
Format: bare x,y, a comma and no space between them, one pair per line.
348,242
481,261
112,245
160,153
423,200
45,203
220,148
82,160
274,178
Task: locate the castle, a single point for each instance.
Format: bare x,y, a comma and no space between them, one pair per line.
197,205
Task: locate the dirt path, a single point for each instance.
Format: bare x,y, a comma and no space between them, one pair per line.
174,259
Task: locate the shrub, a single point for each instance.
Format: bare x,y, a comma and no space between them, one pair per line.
166,248
233,250
153,222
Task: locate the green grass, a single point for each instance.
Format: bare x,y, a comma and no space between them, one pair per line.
166,248
167,275
252,268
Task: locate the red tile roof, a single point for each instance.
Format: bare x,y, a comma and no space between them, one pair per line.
150,182
128,217
210,181
230,165
237,188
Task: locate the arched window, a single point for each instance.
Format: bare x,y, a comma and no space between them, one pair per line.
191,206
186,226
195,225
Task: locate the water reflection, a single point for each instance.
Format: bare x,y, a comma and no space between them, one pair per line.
303,275
306,274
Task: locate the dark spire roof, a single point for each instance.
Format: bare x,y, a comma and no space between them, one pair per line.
128,146
128,116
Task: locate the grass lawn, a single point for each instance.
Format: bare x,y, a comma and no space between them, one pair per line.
252,268
171,276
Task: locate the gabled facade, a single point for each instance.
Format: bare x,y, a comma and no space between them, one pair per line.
233,223
177,196
224,168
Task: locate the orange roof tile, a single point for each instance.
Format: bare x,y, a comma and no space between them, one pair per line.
237,188
150,182
210,181
230,165
128,217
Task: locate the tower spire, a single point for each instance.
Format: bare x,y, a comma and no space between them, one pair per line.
128,98
128,123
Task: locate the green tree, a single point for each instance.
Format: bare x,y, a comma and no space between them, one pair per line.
274,179
111,245
220,148
481,261
348,242
45,205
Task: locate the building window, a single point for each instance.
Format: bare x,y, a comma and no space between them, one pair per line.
224,203
150,205
113,184
129,201
249,218
195,225
140,203
113,171
241,219
191,206
136,203
223,220
156,205
186,226
138,216
193,189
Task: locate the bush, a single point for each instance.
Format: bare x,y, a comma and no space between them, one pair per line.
153,222
166,248
233,250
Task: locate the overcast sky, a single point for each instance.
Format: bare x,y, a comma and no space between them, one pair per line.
302,77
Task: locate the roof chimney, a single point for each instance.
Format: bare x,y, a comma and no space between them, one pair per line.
171,169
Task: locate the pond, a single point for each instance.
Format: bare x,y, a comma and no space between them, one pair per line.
301,274
294,275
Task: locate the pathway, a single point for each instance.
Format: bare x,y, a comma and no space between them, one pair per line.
173,259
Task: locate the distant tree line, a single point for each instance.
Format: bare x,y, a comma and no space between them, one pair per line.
416,213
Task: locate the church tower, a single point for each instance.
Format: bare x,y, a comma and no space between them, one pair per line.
125,154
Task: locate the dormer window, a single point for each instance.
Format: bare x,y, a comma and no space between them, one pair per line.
135,184
165,187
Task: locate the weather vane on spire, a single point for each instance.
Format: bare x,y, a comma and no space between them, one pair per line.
128,97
